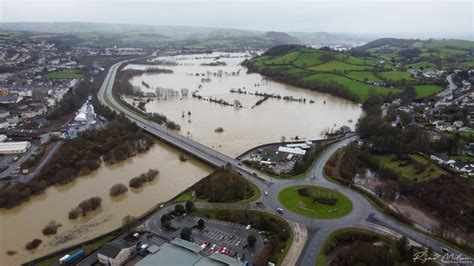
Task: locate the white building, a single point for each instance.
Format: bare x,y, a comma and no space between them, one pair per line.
114,253
14,147
298,151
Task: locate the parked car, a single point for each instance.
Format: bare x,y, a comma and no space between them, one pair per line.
280,210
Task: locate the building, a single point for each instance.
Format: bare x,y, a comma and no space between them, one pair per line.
297,151
114,253
441,159
4,114
4,92
181,252
14,147
10,99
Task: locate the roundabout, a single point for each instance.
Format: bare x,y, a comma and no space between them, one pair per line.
315,201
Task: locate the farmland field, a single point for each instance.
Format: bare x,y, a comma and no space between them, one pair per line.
359,88
396,75
308,59
362,75
427,90
338,66
65,74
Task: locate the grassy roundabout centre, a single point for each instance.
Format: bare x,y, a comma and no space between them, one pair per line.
315,201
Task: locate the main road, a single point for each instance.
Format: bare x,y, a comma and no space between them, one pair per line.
363,214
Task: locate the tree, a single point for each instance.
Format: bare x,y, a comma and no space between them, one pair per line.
402,245
409,94
164,219
251,239
189,206
118,189
185,233
128,222
200,223
179,209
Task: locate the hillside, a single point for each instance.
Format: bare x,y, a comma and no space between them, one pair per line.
445,53
338,73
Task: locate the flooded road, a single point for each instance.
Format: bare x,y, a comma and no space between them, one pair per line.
242,128
25,222
246,127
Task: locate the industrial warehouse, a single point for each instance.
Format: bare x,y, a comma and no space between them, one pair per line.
14,147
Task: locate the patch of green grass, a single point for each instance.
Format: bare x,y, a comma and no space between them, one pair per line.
462,158
338,66
290,199
359,88
357,61
409,171
65,74
396,75
308,59
284,59
185,196
423,64
427,90
363,76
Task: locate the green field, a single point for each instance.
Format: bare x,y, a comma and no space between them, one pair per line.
424,65
65,74
359,88
396,75
427,90
308,59
363,76
284,59
338,66
296,203
408,170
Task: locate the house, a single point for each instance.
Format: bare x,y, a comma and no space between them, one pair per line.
458,166
458,123
10,99
470,149
114,253
4,113
4,124
442,159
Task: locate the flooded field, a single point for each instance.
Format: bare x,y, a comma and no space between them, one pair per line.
25,222
214,76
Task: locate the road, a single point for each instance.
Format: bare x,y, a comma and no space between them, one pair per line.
318,229
46,157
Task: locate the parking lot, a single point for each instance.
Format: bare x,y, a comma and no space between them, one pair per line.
222,237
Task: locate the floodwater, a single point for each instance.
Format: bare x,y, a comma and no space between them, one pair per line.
247,127
25,222
243,128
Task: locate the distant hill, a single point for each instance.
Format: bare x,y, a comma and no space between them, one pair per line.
433,52
325,38
282,38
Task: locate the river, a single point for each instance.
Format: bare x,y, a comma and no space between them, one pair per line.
243,128
247,127
25,222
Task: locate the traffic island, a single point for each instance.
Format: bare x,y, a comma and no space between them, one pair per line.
315,202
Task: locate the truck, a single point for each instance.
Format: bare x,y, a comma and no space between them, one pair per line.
73,257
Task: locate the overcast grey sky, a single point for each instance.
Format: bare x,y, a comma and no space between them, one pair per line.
427,17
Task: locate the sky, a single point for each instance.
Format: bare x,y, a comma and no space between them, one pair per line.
383,16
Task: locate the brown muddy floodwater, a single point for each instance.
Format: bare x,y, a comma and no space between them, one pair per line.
25,222
245,127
